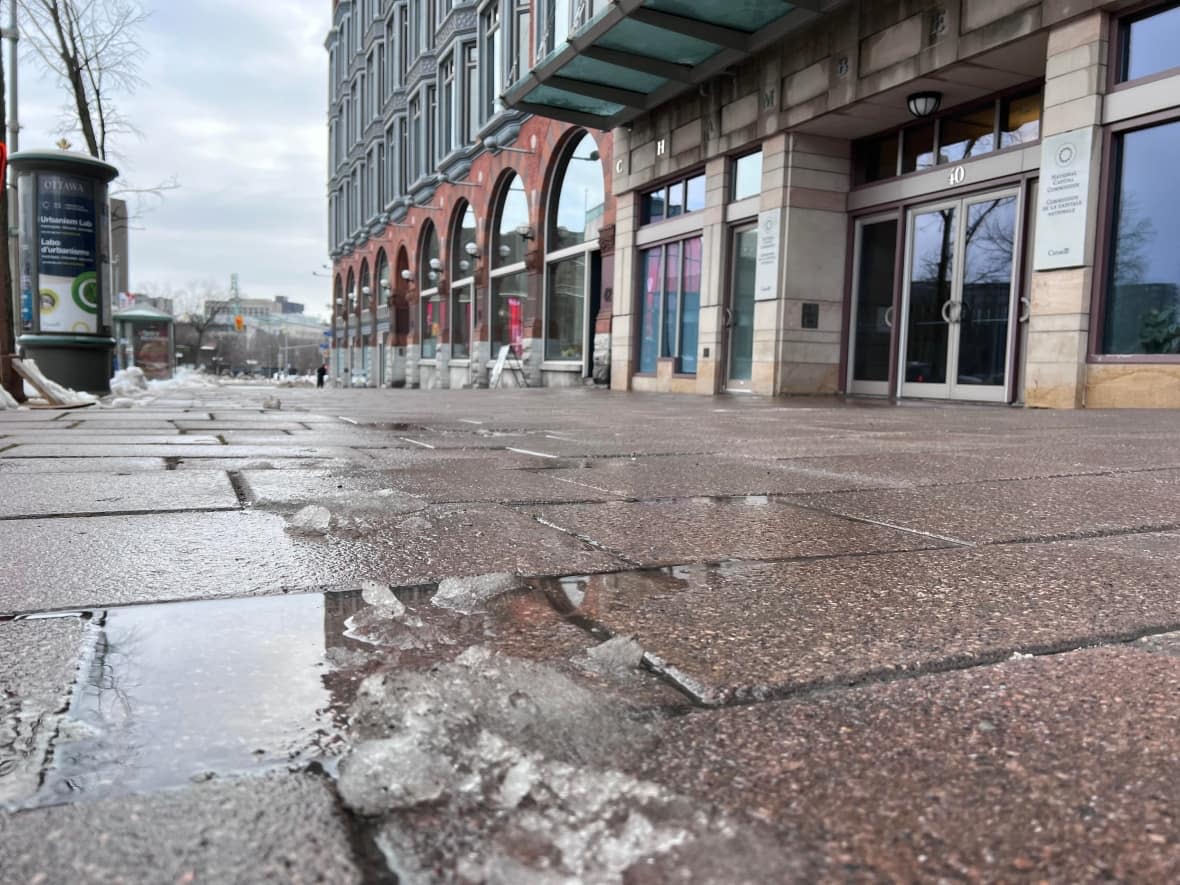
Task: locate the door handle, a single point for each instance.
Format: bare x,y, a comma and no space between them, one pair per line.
729,321
947,307
889,317
1025,309
946,312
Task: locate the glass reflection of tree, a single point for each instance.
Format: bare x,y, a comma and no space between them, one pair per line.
1143,316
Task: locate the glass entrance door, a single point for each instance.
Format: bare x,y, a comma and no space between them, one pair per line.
872,309
739,312
959,288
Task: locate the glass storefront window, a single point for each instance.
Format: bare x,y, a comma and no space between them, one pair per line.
672,200
566,309
694,194
953,137
967,135
580,200
649,329
507,321
462,264
1020,119
671,299
514,224
875,159
747,176
676,200
432,324
460,322
917,148
1143,289
690,308
670,309
1151,44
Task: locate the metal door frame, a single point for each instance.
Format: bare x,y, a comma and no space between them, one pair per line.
870,388
950,388
729,385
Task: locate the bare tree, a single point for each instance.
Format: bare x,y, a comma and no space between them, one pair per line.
201,306
93,47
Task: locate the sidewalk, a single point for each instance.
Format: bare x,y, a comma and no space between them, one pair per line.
574,636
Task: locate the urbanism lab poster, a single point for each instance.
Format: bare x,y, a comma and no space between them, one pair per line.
68,254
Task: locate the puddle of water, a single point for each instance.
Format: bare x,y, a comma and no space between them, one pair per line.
178,692
175,692
395,426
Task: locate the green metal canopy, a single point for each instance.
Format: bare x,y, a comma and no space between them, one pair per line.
635,55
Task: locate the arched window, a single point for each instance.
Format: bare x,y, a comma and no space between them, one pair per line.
350,293
430,304
462,236
381,278
576,214
573,267
381,293
509,281
512,228
338,296
364,329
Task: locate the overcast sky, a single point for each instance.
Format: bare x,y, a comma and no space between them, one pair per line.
234,105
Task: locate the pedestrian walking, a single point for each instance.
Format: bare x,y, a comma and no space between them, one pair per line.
320,374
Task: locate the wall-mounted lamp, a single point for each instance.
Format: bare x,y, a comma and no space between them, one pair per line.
464,265
524,231
407,275
435,264
385,283
434,276
365,290
505,250
472,250
923,104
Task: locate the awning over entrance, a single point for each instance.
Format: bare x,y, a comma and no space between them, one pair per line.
635,55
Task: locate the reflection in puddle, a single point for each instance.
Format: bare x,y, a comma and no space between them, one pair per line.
180,691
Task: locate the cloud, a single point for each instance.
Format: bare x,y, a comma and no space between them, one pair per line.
234,105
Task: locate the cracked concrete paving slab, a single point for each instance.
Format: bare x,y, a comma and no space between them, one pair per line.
38,662
76,438
471,480
105,560
1054,769
744,631
705,529
276,829
102,493
989,512
115,466
178,450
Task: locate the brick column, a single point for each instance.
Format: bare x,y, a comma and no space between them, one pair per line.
1059,316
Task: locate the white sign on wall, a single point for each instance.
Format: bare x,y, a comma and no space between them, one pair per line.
766,272
1062,200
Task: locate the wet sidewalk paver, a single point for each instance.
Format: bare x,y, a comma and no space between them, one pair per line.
1060,769
539,636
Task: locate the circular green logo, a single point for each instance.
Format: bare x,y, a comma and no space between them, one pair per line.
85,292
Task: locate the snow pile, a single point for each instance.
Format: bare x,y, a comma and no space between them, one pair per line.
6,400
129,383
272,404
130,387
522,773
64,395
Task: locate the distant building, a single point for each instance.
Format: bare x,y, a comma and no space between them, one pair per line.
287,306
155,302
